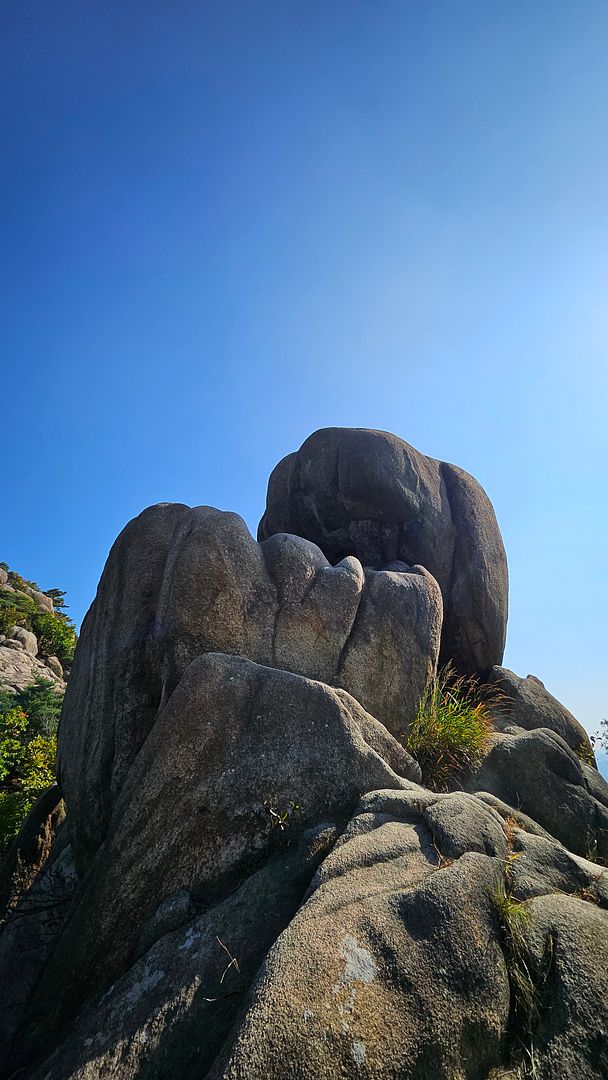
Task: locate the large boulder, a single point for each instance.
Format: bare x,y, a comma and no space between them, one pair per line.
369,494
564,947
42,601
413,957
28,641
528,704
426,936
537,773
180,583
239,755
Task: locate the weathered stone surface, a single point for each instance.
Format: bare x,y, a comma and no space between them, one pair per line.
13,643
542,866
19,669
170,1012
54,665
391,654
392,967
537,773
396,964
234,742
3,576
116,679
42,601
529,705
28,935
261,889
208,586
369,494
28,641
566,951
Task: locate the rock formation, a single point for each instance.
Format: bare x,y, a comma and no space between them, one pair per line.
21,662
368,493
253,880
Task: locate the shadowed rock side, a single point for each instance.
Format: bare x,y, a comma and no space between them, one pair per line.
368,493
251,882
179,583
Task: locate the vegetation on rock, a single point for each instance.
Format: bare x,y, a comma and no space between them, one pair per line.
450,732
54,629
28,747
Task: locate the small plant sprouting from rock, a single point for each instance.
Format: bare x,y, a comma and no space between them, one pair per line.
280,817
526,993
233,963
451,729
586,754
593,853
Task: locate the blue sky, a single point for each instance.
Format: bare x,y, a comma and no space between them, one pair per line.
225,225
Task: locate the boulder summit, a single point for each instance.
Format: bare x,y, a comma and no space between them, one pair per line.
314,829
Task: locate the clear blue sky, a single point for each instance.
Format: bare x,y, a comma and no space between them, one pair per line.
224,225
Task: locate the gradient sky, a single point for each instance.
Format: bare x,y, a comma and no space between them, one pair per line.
226,224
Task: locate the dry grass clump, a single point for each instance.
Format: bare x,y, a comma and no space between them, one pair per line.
449,735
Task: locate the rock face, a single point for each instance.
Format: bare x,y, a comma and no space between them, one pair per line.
180,583
369,494
529,705
252,881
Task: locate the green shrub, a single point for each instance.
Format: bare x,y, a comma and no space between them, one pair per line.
13,726
14,808
450,732
28,748
55,631
9,616
56,636
15,610
41,702
37,770
586,754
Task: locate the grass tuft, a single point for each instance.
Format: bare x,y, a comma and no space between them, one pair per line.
449,735
514,916
586,755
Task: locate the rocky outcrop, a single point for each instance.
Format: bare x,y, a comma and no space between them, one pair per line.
252,882
527,704
18,668
180,583
21,662
537,773
370,494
